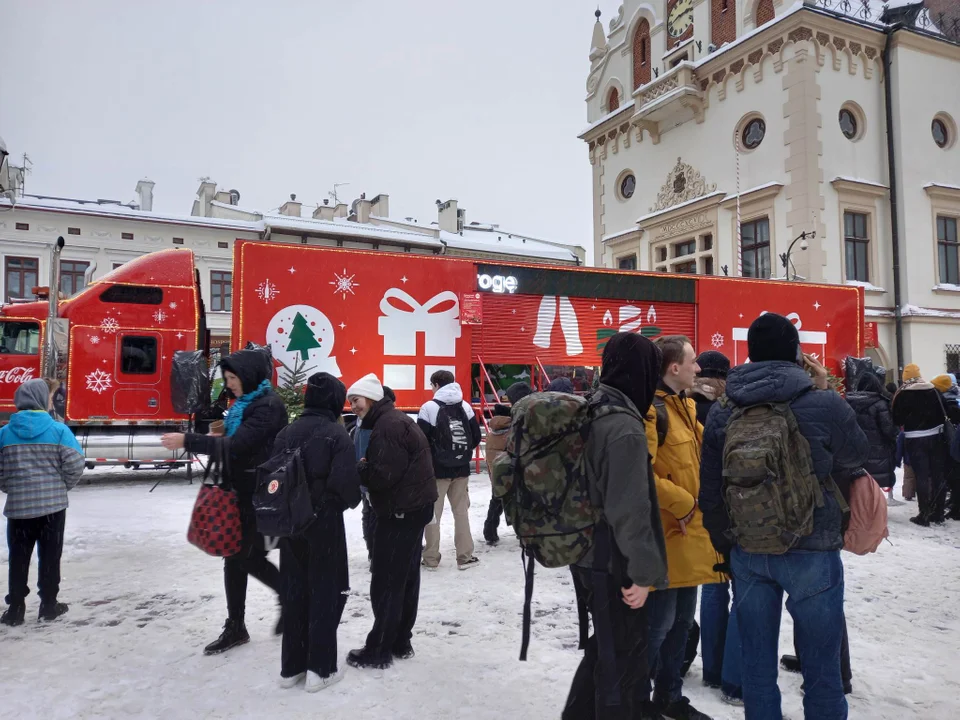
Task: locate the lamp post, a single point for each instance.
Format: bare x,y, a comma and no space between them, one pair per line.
785,257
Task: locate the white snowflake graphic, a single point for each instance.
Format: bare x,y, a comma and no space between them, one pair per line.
94,339
179,336
267,291
717,340
159,316
99,381
109,325
344,284
173,306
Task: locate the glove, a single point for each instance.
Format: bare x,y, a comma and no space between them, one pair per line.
724,567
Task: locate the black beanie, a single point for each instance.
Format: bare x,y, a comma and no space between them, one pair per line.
713,364
773,337
325,392
518,391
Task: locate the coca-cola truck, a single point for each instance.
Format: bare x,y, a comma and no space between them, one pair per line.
399,315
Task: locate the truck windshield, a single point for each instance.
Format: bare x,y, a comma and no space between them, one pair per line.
20,338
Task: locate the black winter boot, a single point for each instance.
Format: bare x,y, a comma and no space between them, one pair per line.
52,611
403,651
234,633
14,615
492,523
363,658
682,710
790,663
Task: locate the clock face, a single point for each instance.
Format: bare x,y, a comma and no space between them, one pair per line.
680,18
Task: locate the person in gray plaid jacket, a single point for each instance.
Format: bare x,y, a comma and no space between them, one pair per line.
40,460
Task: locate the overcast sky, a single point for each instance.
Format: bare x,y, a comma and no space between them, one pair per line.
421,99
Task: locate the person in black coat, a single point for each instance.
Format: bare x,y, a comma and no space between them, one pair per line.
313,565
251,426
875,417
397,471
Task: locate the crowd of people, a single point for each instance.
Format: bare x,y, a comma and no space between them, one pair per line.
699,477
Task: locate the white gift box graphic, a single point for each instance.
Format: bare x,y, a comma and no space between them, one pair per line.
399,325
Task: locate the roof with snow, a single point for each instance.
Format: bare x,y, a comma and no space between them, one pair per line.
476,237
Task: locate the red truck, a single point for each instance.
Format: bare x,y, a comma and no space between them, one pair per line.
398,315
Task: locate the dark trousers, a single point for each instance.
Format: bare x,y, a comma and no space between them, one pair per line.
846,672
46,532
369,522
928,457
251,560
492,523
395,580
313,571
587,699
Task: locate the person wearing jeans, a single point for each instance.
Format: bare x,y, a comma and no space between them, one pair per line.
720,642
810,571
813,582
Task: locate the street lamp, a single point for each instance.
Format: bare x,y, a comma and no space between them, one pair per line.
785,257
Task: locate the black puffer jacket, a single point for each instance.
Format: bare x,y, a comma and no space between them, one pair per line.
876,420
398,469
252,443
837,444
918,406
328,454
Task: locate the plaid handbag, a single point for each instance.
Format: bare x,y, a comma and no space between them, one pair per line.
215,522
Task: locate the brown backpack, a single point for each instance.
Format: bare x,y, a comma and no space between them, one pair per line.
868,517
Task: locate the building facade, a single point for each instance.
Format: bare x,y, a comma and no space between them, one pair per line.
102,235
750,138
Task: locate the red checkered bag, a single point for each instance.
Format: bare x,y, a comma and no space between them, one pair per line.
215,523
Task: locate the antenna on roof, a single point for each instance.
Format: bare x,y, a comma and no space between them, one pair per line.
333,195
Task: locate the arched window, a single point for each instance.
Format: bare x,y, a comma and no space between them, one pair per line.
613,102
765,12
641,54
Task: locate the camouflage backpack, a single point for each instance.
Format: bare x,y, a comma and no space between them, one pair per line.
770,489
541,479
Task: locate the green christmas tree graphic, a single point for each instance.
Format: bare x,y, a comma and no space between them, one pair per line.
302,338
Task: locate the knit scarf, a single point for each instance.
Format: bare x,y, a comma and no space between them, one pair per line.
234,416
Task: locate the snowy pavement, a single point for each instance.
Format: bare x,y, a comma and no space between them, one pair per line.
144,603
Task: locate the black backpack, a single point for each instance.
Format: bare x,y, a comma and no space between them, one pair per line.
451,440
282,501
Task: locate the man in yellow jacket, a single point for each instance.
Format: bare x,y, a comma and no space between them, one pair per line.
674,438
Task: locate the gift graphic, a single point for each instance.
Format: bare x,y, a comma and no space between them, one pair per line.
399,325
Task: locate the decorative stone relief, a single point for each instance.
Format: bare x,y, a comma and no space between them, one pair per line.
48,228
617,21
102,233
683,183
659,90
154,239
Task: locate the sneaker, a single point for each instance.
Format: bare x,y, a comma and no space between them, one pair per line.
363,658
711,685
790,663
234,633
431,568
467,564
403,652
893,502
731,700
682,710
52,611
316,683
491,539
14,615
920,520
288,682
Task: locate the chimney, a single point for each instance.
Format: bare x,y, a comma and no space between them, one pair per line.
450,218
145,191
205,194
380,206
340,211
291,208
324,212
361,209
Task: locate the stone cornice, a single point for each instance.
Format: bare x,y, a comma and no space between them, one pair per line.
859,187
924,42
755,195
670,214
943,192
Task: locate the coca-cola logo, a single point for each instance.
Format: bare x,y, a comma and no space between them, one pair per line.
17,375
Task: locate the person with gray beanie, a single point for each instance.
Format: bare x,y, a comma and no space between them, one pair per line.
40,461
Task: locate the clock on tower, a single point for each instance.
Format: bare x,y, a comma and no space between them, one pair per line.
679,21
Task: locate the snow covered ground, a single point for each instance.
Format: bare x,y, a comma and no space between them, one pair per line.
144,603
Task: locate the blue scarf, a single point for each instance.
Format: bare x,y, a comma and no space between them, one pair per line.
234,415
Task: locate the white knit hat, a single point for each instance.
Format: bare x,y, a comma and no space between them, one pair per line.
368,387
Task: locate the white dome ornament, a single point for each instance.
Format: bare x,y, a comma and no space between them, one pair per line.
301,338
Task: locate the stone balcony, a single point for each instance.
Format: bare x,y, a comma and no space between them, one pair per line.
669,100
